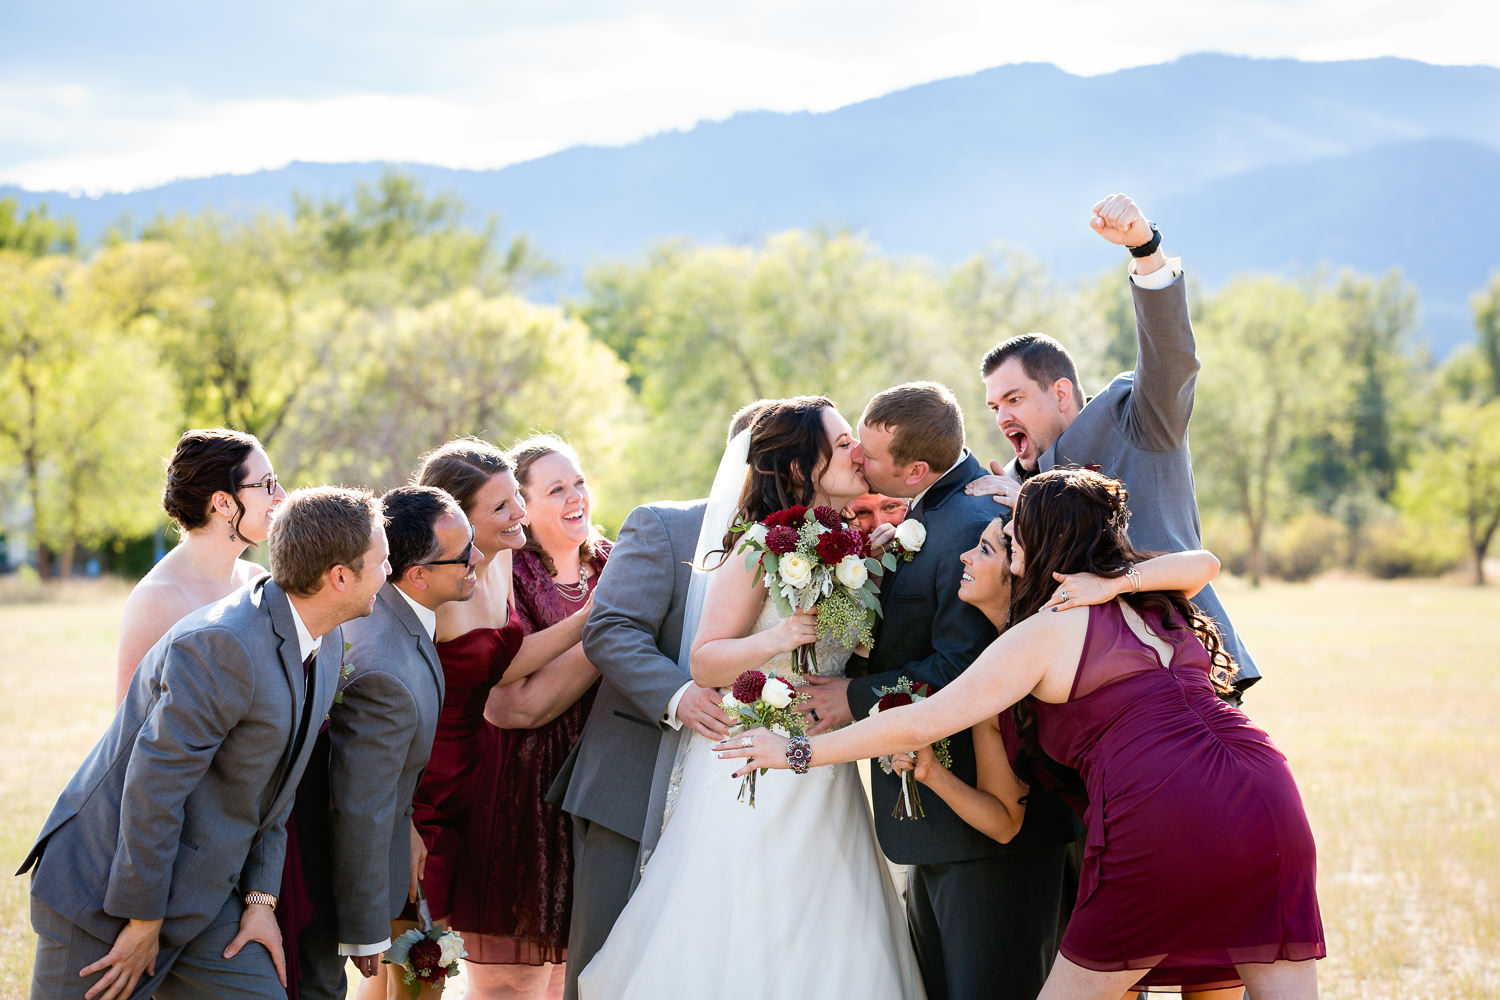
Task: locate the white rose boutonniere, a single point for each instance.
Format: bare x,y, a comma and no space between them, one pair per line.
911,536
795,570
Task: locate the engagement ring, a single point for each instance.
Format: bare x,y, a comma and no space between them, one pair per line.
1062,595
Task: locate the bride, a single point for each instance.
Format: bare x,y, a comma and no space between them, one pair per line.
802,865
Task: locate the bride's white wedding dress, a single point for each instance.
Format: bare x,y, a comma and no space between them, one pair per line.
789,899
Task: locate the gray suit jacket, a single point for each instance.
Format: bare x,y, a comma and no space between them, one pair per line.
184,799
1136,431
380,738
633,636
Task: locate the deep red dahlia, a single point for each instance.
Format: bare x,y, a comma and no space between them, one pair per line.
894,699
775,519
781,539
425,958
922,689
859,542
796,515
748,686
828,517
833,546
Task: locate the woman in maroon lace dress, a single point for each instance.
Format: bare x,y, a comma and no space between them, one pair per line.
515,919
1200,867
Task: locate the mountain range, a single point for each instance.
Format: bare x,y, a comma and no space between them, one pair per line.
1246,164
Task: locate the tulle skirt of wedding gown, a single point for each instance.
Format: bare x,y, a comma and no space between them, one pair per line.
789,899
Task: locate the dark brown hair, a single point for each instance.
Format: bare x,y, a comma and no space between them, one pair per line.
411,512
206,461
461,468
527,453
789,450
316,529
1043,360
925,421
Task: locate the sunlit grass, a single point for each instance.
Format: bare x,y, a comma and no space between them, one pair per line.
1386,697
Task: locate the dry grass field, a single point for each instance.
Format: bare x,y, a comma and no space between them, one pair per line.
1386,697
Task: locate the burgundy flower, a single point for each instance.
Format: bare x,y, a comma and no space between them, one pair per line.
748,686
833,546
894,699
781,539
859,542
425,957
922,690
828,517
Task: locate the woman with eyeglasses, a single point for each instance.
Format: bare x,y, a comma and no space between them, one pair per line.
221,492
514,909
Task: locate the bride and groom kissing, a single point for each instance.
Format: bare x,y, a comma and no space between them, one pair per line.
678,886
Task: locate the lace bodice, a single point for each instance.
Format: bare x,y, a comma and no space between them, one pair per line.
832,656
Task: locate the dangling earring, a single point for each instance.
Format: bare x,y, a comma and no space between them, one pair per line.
232,536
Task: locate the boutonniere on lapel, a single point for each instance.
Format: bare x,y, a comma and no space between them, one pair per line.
910,537
346,671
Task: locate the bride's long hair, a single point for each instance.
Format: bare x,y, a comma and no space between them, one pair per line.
789,452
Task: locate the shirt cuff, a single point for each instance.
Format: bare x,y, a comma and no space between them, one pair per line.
360,950
669,717
1160,278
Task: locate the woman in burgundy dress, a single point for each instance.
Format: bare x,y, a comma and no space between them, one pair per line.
1200,867
480,645
517,887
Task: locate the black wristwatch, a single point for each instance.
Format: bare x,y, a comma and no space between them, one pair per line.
1147,248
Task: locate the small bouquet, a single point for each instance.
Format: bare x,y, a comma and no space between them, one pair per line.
763,700
904,692
911,535
426,956
807,559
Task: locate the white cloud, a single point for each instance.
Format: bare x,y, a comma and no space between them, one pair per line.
537,87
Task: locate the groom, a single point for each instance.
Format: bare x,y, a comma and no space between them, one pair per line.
983,915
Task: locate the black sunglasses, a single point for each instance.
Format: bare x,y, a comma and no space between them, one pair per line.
268,484
463,557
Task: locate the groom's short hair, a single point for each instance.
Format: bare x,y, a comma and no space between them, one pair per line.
745,417
925,421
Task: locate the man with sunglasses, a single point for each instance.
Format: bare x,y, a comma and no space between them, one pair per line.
361,855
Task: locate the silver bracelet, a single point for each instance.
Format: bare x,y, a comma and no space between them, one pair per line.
1134,576
799,754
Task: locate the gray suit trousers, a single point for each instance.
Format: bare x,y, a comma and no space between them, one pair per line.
197,971
603,865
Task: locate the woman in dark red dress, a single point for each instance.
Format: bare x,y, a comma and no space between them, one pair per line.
1200,866
517,896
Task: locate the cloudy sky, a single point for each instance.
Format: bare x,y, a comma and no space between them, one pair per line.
101,95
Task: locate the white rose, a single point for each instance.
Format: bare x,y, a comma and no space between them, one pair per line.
795,569
756,533
730,702
911,535
777,693
452,949
851,572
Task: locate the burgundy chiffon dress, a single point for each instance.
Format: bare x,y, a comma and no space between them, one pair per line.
1198,853
516,888
442,807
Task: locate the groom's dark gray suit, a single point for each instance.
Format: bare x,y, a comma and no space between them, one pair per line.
180,809
379,739
983,915
633,637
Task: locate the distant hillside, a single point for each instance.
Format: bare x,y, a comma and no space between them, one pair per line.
1265,164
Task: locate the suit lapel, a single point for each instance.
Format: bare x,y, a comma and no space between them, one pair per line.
413,625
288,651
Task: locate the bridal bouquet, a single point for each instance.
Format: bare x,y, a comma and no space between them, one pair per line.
429,957
904,692
767,701
807,559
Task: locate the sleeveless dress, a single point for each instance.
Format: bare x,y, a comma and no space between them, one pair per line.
789,899
1198,853
472,664
516,883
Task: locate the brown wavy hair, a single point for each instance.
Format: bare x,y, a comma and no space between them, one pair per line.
524,455
1071,520
789,451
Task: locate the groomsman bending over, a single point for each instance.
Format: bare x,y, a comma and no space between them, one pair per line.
1136,430
983,915
163,855
361,854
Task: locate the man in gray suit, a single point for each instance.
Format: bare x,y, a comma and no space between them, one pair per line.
163,855
378,742
1136,430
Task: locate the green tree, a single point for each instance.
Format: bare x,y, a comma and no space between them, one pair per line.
1266,345
35,234
1456,478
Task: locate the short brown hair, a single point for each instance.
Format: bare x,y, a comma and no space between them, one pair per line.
462,467
316,529
745,416
1043,360
925,421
